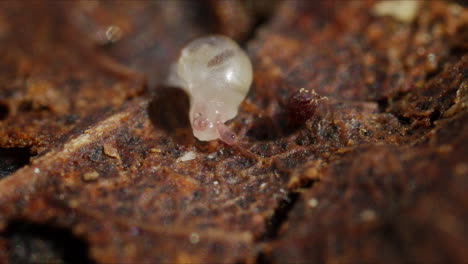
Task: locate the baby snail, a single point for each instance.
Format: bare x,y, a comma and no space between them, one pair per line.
216,74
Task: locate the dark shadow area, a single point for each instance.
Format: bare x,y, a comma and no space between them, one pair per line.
263,11
459,43
264,129
290,115
279,217
4,111
272,128
169,111
41,243
262,258
11,159
383,105
461,2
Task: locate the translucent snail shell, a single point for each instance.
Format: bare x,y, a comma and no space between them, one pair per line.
217,74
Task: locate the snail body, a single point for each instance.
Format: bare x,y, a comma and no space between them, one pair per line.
216,74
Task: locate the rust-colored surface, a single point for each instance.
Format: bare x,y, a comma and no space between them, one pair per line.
352,140
374,204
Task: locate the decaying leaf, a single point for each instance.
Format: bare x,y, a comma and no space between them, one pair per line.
352,139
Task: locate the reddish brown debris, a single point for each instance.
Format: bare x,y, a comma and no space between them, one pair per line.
372,164
237,19
442,96
385,204
303,104
234,19
343,50
47,94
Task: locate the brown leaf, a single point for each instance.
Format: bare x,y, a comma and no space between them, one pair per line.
115,163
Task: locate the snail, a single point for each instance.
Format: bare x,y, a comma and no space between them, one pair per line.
216,74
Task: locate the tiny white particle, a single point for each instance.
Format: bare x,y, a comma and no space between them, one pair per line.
215,182
194,238
211,156
368,215
37,170
113,34
402,10
263,185
282,191
188,156
312,202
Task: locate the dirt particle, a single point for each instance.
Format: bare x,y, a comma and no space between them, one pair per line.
401,10
188,156
194,238
73,203
444,149
312,202
111,151
113,34
155,150
461,169
90,176
314,171
368,215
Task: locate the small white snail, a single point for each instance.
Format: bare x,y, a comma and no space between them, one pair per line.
216,73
